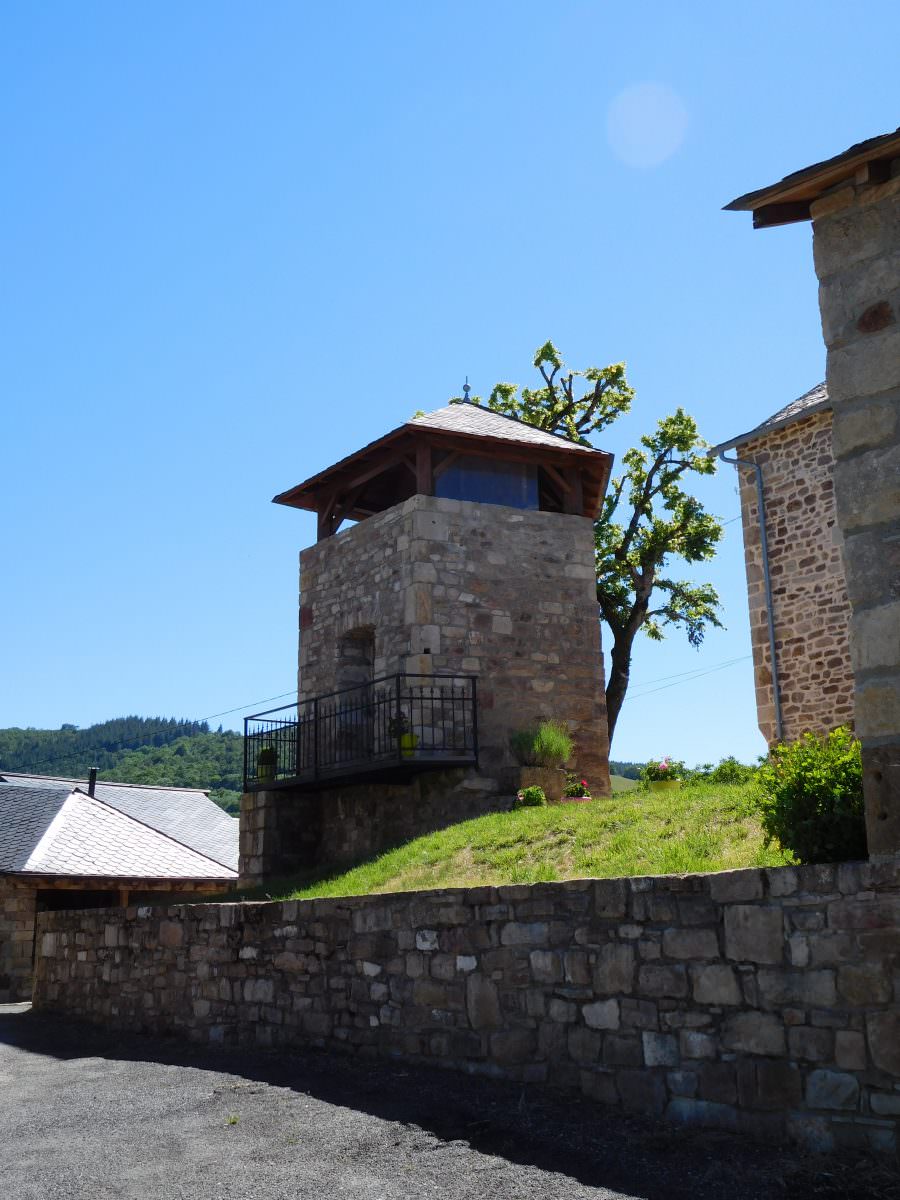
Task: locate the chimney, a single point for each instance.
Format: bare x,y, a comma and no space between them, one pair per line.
92,780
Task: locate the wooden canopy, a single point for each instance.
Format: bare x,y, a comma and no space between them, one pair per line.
572,478
782,203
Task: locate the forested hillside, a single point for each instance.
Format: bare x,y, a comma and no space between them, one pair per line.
176,753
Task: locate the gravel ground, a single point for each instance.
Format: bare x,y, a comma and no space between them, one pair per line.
86,1114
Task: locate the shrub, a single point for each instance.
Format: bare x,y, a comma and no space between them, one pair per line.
547,746
665,769
530,797
729,770
812,798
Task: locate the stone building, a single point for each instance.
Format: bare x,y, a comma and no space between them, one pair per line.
65,846
459,608
853,201
795,574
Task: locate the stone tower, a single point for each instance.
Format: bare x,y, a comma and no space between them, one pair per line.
459,608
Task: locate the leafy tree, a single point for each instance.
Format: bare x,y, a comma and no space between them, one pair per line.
647,516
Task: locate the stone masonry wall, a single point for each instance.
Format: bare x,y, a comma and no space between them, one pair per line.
18,917
809,594
17,909
450,586
760,1000
856,243
285,831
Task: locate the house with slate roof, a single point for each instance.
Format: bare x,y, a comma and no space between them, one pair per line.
797,591
64,844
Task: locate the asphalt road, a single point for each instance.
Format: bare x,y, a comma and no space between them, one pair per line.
85,1115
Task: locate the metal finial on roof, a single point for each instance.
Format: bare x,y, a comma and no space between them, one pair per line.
466,390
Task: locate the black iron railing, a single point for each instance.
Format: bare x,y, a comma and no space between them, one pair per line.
398,721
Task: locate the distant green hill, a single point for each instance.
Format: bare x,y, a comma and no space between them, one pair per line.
165,751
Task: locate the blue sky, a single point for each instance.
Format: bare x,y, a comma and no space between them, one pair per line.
241,241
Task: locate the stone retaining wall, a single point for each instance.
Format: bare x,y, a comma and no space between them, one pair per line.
760,1000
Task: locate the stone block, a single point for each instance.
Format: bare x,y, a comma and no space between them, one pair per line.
754,933
660,1050
613,972
610,899
546,966
518,933
832,1089
881,783
865,367
883,1035
584,1045
813,1045
562,1011
697,1045
727,887
657,980
885,1104
716,983
863,425
621,1051
778,1085
777,988
864,983
599,1086
690,943
513,1046
641,1092
850,1050
682,1083
171,934
754,1033
482,1002
601,1014
872,560
716,1082
702,1113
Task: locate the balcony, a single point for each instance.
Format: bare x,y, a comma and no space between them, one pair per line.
388,729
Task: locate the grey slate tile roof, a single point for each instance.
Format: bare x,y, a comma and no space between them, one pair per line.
25,813
60,830
88,837
469,418
810,402
185,814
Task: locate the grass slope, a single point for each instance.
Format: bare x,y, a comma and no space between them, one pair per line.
699,828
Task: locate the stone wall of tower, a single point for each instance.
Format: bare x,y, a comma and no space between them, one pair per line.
451,586
856,244
809,593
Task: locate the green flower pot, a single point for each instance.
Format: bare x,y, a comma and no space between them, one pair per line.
665,785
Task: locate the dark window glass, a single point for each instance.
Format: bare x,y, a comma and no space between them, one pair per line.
480,479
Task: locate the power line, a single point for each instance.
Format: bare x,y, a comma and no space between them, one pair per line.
679,682
694,671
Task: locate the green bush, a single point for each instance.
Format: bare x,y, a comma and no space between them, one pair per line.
530,797
550,745
729,770
812,798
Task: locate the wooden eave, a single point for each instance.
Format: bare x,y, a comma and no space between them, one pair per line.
354,488
789,200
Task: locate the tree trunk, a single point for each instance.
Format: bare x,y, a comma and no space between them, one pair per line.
617,686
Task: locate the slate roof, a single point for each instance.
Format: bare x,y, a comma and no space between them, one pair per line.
58,830
813,401
185,814
470,418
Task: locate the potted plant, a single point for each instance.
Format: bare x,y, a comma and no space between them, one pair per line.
266,764
398,728
541,751
576,790
664,775
530,797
